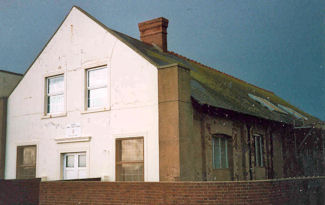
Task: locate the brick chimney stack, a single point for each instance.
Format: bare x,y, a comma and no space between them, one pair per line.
154,32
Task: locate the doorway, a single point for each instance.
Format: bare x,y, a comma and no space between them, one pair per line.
74,165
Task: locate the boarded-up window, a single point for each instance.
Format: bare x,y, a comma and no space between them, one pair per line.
26,162
129,159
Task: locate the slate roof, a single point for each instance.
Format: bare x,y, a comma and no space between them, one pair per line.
210,86
215,88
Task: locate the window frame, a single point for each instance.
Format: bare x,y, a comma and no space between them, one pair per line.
127,162
87,88
259,145
19,162
226,151
47,95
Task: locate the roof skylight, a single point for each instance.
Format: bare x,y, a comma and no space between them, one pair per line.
266,104
293,112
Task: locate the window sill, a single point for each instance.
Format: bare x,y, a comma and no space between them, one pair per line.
94,110
48,116
72,139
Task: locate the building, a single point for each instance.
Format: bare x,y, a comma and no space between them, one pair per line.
8,81
98,103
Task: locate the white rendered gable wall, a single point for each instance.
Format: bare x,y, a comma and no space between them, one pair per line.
81,43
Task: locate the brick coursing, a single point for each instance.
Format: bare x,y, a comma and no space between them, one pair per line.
290,191
286,191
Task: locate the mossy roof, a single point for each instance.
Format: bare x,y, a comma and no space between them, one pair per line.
212,87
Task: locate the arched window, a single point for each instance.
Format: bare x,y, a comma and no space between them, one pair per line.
220,148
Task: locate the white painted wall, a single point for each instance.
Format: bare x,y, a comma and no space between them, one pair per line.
79,44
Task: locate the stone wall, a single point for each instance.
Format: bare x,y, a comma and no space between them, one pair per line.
240,132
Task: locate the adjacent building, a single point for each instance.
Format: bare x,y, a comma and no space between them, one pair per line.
8,81
98,103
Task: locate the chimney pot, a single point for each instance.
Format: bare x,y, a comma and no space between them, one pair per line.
154,32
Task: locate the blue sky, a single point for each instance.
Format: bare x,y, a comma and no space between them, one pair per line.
278,45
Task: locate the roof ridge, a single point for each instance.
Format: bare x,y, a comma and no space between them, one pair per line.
215,70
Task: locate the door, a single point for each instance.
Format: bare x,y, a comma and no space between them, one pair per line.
75,166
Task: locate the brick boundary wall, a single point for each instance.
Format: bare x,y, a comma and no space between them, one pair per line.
16,192
295,191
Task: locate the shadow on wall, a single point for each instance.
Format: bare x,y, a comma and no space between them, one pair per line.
17,191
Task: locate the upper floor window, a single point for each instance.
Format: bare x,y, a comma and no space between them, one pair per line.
220,152
259,150
55,94
97,87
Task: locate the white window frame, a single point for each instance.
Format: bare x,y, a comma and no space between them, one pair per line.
47,94
259,148
95,87
220,138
